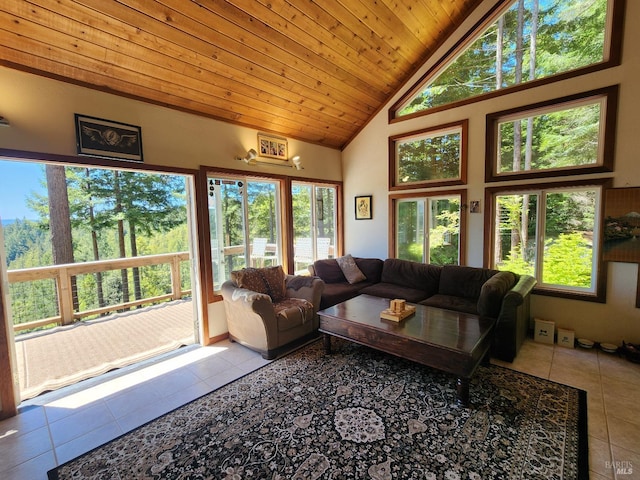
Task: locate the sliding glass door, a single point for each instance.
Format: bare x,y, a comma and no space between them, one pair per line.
314,223
244,219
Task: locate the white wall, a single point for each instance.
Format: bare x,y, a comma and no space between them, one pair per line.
41,113
365,171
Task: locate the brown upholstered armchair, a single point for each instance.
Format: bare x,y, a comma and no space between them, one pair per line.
271,312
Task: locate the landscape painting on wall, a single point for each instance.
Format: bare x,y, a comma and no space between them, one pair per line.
622,225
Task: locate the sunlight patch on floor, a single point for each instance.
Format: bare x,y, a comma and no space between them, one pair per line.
80,395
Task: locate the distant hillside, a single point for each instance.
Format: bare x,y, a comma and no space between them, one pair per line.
8,221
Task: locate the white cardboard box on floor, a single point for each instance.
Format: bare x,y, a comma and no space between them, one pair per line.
544,331
566,337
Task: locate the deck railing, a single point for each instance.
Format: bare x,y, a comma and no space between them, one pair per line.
62,276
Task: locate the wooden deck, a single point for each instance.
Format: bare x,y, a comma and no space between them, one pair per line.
66,355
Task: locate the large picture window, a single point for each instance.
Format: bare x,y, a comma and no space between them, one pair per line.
573,134
552,233
520,43
429,228
430,157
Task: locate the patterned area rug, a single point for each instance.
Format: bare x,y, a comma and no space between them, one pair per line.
356,413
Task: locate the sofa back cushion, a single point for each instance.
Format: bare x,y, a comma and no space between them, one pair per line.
493,291
371,267
269,280
461,281
329,271
416,275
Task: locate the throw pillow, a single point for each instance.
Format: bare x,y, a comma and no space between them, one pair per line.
350,270
268,280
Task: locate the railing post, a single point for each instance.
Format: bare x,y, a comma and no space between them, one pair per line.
65,296
176,281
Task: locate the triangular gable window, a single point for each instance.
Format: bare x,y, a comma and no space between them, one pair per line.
527,41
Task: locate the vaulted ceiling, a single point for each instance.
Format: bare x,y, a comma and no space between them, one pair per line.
314,70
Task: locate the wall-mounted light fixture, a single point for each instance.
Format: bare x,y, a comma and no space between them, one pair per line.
250,157
297,162
4,122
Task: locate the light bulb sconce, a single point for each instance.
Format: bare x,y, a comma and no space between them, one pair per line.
250,157
297,162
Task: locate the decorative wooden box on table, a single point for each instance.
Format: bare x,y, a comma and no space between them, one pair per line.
398,310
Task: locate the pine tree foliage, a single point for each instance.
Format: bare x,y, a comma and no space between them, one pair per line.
152,208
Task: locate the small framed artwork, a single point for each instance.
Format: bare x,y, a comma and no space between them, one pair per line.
474,206
272,149
363,208
96,137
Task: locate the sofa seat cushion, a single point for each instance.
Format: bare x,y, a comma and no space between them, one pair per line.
418,276
461,281
391,291
292,313
452,302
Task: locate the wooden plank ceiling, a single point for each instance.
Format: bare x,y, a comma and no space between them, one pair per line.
314,70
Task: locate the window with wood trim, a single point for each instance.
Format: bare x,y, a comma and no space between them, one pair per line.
552,232
315,223
519,44
429,228
569,135
429,157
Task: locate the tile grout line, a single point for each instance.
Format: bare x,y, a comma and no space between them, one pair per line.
50,434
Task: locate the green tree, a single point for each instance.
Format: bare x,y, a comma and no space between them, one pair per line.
567,261
21,238
531,40
102,202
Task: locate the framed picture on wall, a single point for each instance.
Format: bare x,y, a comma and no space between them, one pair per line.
272,149
622,225
96,137
363,207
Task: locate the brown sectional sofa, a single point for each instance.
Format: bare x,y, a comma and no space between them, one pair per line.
480,291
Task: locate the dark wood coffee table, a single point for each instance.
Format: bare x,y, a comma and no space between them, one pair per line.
450,341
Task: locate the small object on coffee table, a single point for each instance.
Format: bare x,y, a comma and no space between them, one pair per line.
398,310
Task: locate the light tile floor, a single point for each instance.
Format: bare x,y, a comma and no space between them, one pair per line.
56,427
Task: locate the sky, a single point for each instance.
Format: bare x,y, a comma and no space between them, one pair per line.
17,181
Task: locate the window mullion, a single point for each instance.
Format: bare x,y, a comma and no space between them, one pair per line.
314,224
245,221
426,227
541,218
